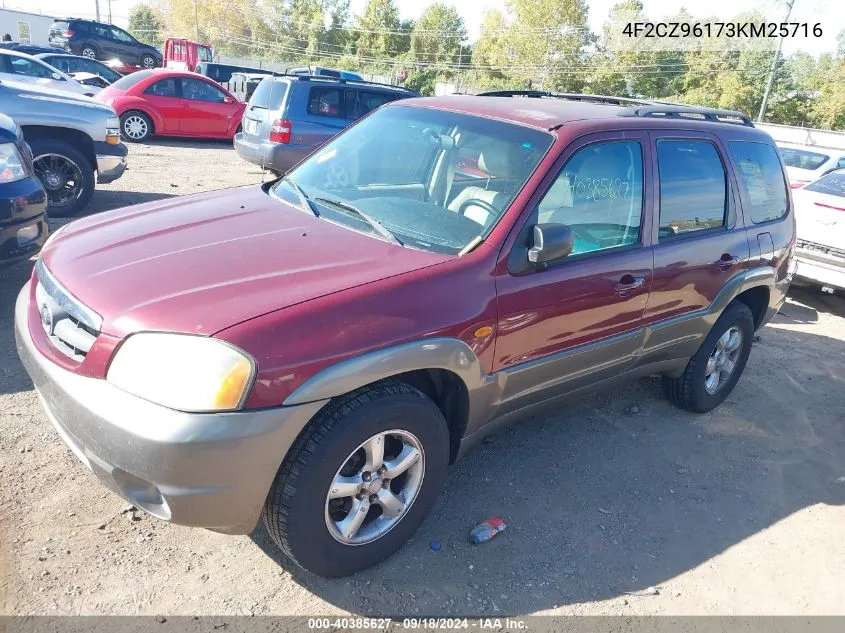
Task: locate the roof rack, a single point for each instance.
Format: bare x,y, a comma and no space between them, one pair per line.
637,107
657,109
341,80
569,96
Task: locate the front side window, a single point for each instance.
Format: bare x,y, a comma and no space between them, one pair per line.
121,36
802,159
693,187
599,195
163,88
29,68
199,90
761,175
326,102
398,164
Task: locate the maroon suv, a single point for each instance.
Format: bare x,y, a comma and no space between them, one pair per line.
317,350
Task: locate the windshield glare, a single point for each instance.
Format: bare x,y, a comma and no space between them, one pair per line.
437,180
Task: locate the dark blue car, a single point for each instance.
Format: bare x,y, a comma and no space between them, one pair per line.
23,202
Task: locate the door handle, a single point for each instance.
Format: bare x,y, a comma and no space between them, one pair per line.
627,284
726,261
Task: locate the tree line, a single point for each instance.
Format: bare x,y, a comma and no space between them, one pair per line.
533,44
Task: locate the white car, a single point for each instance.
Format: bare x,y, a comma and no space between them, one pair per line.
820,229
805,163
29,71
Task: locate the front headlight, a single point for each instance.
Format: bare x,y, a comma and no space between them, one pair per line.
183,372
11,163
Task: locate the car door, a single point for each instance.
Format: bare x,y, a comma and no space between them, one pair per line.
164,96
578,320
700,242
32,72
125,45
106,44
208,110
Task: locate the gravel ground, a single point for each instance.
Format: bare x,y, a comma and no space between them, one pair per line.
739,511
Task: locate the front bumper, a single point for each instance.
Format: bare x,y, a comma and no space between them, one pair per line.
111,161
276,156
204,470
23,221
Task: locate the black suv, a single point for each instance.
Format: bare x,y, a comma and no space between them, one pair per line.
97,40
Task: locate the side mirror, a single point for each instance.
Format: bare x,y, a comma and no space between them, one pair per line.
551,242
228,99
57,76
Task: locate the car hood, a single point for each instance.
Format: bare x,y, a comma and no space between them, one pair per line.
205,262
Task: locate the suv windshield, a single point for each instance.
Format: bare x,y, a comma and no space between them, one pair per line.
802,159
437,180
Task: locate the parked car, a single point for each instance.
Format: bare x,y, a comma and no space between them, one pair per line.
31,71
221,73
172,103
820,249
183,54
23,221
287,117
98,40
319,71
72,138
29,49
805,163
73,64
317,350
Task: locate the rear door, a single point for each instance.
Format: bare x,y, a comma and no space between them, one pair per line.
700,242
206,111
163,95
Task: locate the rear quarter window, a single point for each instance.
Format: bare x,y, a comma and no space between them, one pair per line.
762,178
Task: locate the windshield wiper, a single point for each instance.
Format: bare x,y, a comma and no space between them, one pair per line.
375,224
304,200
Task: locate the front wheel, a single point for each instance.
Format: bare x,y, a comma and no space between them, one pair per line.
67,176
148,61
359,480
135,126
714,370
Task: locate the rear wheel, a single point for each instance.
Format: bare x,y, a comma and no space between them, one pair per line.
135,126
89,51
67,176
714,370
359,480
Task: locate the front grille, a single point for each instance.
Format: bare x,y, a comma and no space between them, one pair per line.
71,326
820,248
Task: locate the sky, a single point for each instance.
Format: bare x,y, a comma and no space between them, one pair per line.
830,13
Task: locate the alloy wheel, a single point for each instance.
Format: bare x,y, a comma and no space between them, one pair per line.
90,53
375,487
61,177
135,127
722,360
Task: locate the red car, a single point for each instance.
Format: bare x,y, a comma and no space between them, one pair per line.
316,351
172,103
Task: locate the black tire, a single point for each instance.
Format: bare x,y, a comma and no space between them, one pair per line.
295,510
149,61
90,51
688,391
128,118
43,150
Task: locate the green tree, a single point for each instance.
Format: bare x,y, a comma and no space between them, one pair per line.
146,24
438,35
378,38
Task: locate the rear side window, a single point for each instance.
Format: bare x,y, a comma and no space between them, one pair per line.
127,81
62,63
599,195
693,187
268,95
326,102
163,88
761,175
802,159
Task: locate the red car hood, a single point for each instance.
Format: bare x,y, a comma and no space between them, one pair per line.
205,262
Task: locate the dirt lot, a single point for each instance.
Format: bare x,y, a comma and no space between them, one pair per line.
740,511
